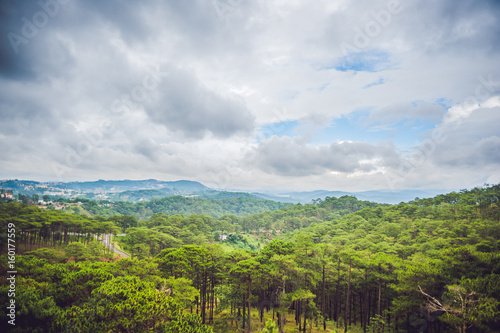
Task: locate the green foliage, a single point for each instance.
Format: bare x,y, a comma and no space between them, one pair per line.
124,221
431,263
129,304
77,286
128,295
270,327
245,242
214,207
50,254
181,290
35,306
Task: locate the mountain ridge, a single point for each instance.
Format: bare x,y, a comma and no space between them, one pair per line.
148,189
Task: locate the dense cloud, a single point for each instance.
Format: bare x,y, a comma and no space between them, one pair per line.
472,140
183,104
287,157
419,110
187,90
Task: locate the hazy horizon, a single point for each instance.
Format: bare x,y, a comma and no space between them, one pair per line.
272,192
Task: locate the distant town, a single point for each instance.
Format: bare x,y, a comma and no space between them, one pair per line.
58,195
42,194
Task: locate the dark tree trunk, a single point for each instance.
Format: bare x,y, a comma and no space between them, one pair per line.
336,301
305,314
248,298
347,305
244,309
323,305
379,307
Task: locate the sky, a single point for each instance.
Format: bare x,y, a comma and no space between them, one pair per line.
274,95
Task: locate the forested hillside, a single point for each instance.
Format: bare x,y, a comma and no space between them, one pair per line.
336,265
146,195
215,207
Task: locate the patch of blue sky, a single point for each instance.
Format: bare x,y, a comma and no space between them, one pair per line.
369,61
443,102
354,126
376,83
405,133
280,129
344,129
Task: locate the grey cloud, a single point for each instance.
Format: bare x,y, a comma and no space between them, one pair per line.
24,112
481,153
15,64
419,110
473,141
129,18
138,24
148,148
30,43
284,156
195,27
187,106
76,44
457,26
427,27
489,150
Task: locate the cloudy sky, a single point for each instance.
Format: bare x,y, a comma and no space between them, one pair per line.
253,95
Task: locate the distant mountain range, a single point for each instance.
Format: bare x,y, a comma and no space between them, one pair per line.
390,197
177,187
141,190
